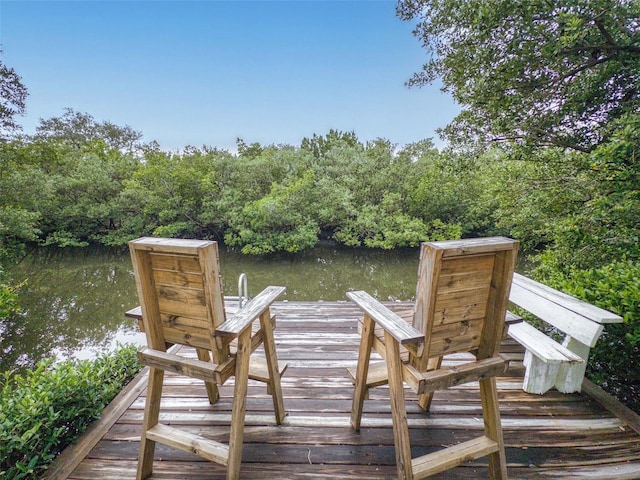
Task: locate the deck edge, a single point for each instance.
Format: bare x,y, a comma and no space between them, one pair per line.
72,456
612,404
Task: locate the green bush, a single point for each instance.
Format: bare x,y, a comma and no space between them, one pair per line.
44,410
8,300
615,360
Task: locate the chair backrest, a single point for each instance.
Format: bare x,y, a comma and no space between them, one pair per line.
179,288
462,295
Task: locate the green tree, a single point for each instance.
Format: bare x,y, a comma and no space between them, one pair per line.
532,72
87,186
17,223
79,129
527,199
603,225
55,193
336,182
319,145
280,221
13,95
446,188
364,194
24,188
164,196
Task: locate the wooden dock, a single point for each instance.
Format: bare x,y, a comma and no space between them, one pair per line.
551,436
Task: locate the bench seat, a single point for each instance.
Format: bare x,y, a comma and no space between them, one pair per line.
543,358
548,363
544,347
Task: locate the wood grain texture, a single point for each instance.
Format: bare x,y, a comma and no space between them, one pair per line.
541,345
392,323
181,300
565,320
593,313
551,364
461,305
249,312
551,436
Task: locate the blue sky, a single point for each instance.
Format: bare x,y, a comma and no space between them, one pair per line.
207,72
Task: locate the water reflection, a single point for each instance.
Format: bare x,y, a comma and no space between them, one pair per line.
75,299
70,302
326,273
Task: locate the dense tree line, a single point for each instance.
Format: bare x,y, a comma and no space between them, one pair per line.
64,187
72,188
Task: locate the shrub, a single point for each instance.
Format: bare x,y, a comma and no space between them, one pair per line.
615,360
44,410
8,300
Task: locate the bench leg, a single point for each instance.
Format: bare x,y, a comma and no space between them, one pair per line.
274,385
539,376
398,409
493,428
571,375
239,404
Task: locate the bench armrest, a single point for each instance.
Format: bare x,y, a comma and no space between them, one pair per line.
249,312
391,322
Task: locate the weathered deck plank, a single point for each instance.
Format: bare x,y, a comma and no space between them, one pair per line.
555,436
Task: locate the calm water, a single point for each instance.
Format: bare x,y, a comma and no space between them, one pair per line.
74,300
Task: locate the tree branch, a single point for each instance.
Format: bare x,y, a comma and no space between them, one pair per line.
600,48
544,142
603,30
577,70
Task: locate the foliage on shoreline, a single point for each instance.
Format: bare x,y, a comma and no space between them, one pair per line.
573,211
44,410
9,303
261,200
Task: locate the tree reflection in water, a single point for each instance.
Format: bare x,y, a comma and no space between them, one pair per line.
75,299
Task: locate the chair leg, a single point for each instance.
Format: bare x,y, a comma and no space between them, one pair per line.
239,404
493,428
362,371
151,415
424,400
398,408
212,388
275,386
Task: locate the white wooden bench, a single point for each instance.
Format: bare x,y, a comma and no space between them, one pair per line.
548,363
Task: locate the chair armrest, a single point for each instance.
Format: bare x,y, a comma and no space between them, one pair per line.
249,312
391,322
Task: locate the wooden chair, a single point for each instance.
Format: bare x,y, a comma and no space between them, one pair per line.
178,283
461,301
